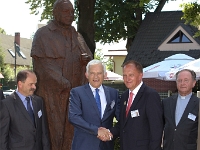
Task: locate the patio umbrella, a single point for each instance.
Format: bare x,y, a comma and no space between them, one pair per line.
113,76
159,69
1,76
193,65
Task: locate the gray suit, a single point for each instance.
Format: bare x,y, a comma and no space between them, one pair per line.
184,135
17,131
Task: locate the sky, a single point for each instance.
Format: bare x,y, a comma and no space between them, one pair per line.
15,17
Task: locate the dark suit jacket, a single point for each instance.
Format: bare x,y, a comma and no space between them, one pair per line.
184,135
17,131
84,115
143,132
1,95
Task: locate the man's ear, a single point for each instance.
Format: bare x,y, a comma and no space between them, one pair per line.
105,75
86,75
19,83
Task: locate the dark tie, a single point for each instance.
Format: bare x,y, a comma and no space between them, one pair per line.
98,101
30,110
129,103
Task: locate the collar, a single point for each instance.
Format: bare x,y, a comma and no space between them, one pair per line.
185,97
22,97
93,89
135,91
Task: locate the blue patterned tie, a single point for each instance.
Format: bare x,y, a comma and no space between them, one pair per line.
30,110
98,101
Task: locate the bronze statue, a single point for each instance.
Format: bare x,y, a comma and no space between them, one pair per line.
60,55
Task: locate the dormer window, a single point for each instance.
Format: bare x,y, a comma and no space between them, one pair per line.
179,37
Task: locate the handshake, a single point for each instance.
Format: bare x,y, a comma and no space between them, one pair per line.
104,134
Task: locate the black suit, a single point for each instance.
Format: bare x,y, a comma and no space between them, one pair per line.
1,95
143,132
17,131
184,135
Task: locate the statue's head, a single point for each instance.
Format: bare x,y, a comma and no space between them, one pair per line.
63,12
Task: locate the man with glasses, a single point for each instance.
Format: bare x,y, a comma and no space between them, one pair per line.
181,114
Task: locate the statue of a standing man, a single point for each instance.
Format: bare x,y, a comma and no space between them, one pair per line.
60,55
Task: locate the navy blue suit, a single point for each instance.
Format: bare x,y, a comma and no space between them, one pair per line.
85,117
142,131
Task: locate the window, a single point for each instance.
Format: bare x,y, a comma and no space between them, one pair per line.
11,53
179,37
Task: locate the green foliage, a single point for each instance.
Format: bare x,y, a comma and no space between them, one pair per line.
4,69
117,19
114,19
2,31
36,5
116,142
98,54
1,59
8,73
192,15
107,61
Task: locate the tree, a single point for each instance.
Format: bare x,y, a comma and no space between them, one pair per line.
107,61
191,13
2,31
5,70
86,20
104,20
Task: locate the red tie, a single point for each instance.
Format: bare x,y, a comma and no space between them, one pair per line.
129,103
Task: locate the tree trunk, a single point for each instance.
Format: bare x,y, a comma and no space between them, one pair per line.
138,18
86,22
160,5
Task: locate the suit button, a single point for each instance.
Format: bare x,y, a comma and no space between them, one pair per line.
174,129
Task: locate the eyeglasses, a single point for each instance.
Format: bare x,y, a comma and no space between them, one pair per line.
182,81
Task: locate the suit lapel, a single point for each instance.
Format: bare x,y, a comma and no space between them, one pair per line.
21,107
173,102
124,104
92,99
191,104
35,109
108,100
136,99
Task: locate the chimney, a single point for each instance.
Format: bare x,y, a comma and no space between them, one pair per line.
17,38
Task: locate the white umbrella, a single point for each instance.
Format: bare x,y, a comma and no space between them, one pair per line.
1,76
159,69
193,65
113,76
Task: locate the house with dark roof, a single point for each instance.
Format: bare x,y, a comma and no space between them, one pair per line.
8,46
22,46
161,35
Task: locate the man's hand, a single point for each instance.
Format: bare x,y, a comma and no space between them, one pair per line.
104,134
